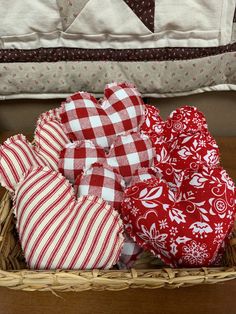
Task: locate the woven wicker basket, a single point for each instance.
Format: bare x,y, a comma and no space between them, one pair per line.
14,275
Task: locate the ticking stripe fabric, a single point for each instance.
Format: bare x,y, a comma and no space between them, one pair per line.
59,232
50,138
17,156
84,118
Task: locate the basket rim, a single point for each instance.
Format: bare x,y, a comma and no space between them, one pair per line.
113,280
100,280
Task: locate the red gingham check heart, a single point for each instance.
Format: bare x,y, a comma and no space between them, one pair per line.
101,180
77,156
127,154
121,109
130,253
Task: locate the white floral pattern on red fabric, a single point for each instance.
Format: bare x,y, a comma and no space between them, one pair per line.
185,228
182,140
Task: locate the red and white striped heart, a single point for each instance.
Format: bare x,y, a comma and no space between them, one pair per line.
128,153
85,118
17,156
58,231
49,137
184,230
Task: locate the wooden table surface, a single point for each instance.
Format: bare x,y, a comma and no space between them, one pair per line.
204,299
217,299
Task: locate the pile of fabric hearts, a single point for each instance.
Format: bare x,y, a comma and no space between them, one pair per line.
105,180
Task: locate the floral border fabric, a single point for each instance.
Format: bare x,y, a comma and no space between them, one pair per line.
83,50
157,79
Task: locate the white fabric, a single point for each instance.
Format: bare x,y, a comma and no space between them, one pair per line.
107,17
112,24
196,19
20,17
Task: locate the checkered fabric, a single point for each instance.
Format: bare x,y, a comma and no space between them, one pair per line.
129,254
101,181
143,174
122,109
77,156
129,153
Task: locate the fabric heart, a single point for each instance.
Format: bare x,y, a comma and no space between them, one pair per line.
172,176
17,155
49,137
128,153
185,119
59,232
153,123
130,252
187,230
143,174
194,150
182,120
84,118
102,181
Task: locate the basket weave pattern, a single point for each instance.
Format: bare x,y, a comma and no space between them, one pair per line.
14,273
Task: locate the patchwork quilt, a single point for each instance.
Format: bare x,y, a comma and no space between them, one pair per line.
52,48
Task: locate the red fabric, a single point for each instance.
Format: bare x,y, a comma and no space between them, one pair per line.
128,153
186,228
59,232
194,150
77,156
17,156
49,137
182,140
100,180
121,109
129,254
186,120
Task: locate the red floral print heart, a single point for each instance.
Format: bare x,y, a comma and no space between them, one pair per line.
185,229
